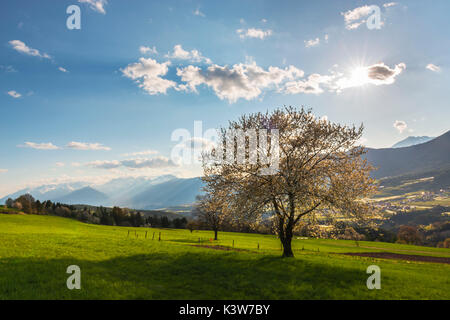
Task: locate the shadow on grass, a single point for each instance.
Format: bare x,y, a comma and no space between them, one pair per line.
189,241
192,275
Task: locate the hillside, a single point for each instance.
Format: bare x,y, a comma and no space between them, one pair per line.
429,159
122,263
411,141
175,192
86,195
433,180
432,155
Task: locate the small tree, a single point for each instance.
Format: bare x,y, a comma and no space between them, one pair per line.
211,210
17,205
447,243
319,166
27,202
9,203
409,235
191,225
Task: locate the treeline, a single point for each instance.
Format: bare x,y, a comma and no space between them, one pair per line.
429,227
96,215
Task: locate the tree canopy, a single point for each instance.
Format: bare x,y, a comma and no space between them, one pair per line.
314,164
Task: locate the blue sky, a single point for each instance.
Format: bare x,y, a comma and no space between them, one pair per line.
102,102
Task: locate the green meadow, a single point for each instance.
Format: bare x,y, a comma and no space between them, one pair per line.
132,263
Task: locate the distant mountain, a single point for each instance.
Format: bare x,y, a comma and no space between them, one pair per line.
120,190
86,195
434,180
417,161
47,191
411,141
137,193
431,155
175,192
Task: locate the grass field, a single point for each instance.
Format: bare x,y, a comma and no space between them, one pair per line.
116,264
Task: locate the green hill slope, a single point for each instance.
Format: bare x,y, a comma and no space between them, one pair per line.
116,264
432,155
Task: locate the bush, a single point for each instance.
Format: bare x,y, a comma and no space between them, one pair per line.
409,235
447,243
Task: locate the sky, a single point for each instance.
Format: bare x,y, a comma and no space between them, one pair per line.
105,100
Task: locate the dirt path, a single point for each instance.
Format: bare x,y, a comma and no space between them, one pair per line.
218,247
397,256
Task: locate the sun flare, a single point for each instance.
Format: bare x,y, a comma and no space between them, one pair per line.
359,76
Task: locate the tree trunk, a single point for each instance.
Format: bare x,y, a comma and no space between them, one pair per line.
285,233
215,234
287,244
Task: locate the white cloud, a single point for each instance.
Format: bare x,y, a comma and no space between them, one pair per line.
136,163
356,17
254,33
354,25
310,85
148,50
139,163
433,67
248,80
147,73
62,69
377,74
104,164
390,4
197,12
23,48
356,14
239,81
400,125
181,54
3,170
96,5
14,94
140,153
39,146
312,43
60,164
86,146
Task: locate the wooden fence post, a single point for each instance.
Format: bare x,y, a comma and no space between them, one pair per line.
145,234
153,238
258,245
159,237
128,233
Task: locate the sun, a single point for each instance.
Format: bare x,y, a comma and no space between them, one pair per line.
359,76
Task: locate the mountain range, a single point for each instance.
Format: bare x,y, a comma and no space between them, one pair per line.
428,156
137,193
423,159
411,141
